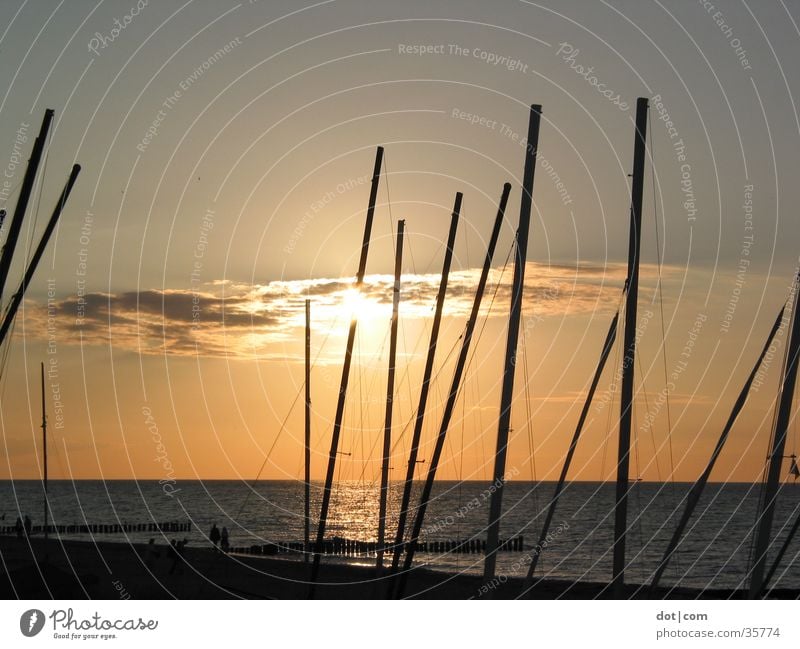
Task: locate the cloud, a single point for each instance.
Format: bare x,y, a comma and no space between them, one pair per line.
227,319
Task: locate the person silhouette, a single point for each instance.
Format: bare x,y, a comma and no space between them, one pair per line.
28,525
224,545
214,535
18,527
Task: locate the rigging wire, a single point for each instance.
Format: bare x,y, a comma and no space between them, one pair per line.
660,290
774,423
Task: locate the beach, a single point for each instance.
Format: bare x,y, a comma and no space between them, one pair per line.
38,569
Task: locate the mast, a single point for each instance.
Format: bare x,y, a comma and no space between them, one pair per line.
348,357
782,552
607,345
626,395
44,453
504,422
387,427
24,198
776,454
453,394
423,396
37,255
307,437
697,489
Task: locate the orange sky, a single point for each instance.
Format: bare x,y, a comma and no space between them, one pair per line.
226,155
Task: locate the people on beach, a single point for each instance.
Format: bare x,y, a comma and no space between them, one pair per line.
175,552
225,545
28,525
214,535
18,527
152,553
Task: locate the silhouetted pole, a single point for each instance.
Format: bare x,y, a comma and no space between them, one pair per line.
455,386
387,422
307,437
767,510
517,288
348,357
626,395
24,197
44,453
537,550
37,255
423,395
697,489
779,557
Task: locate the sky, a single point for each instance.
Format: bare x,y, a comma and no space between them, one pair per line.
227,151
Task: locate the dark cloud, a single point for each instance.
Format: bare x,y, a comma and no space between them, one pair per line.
236,320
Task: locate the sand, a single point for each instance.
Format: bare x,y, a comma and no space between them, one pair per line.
39,569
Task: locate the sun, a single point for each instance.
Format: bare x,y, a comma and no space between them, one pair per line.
370,312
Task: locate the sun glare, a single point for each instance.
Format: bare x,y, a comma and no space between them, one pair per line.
368,311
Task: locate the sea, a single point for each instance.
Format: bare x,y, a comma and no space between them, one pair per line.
715,552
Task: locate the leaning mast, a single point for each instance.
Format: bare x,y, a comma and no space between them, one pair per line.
504,422
423,395
348,357
387,426
776,456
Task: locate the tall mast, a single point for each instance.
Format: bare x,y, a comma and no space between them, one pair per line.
307,437
537,550
697,489
776,454
423,396
626,397
504,422
348,357
453,394
24,198
37,255
44,453
387,426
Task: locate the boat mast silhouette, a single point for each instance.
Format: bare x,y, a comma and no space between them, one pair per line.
348,357
387,425
517,287
629,342
776,456
423,395
307,438
453,394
